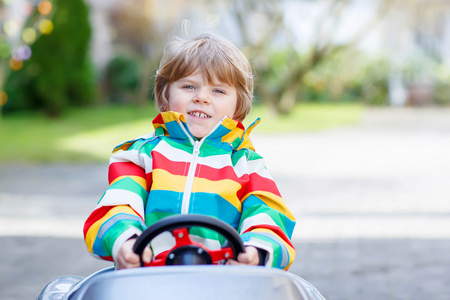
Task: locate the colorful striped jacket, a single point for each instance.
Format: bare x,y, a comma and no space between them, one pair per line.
171,172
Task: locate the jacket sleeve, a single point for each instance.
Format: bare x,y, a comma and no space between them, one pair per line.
266,222
120,212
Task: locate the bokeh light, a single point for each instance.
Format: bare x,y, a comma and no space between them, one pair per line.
45,7
45,26
15,64
29,35
11,27
24,52
5,50
29,8
3,98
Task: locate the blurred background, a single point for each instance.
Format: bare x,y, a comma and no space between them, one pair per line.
61,61
357,90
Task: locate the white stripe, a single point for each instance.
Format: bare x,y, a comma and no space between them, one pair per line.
147,161
145,136
115,197
262,245
241,167
126,156
259,219
177,155
216,161
258,166
122,239
172,153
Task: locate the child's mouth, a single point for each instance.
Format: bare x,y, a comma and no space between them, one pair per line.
199,114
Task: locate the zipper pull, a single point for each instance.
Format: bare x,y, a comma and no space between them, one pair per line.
196,147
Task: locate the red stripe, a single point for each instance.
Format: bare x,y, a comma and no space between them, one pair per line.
240,125
158,120
110,258
99,213
259,183
173,167
149,179
118,169
275,229
95,216
214,174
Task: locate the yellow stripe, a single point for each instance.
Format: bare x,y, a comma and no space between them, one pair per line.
246,143
226,188
290,250
167,181
93,230
291,256
170,116
273,201
232,135
138,179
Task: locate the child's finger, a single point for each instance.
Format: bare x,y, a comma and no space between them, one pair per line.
147,255
243,258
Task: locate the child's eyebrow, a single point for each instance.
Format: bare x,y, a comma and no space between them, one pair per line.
221,84
186,80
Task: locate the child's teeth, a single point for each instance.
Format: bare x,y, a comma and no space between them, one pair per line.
199,115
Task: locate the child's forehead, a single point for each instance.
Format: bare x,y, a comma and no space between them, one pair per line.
211,76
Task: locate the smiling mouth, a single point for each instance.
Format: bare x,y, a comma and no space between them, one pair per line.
199,114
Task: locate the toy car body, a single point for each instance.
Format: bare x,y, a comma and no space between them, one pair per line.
186,271
183,282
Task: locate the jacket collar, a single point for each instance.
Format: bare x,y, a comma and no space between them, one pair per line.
228,131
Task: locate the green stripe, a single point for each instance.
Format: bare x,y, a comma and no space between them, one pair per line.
153,217
115,231
277,251
130,185
275,215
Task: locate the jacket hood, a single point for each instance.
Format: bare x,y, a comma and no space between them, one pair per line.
174,125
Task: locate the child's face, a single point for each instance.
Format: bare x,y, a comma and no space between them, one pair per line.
203,104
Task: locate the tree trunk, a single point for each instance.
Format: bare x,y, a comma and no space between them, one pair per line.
288,98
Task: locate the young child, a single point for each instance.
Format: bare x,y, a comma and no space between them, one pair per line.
199,160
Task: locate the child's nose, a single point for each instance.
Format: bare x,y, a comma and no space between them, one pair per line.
202,96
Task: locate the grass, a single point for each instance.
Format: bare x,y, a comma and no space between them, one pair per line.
89,135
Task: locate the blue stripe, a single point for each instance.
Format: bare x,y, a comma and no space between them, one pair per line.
283,258
214,205
253,200
164,201
97,248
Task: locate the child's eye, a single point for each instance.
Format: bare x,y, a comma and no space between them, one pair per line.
219,91
189,87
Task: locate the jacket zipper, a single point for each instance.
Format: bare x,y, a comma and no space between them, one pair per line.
191,173
190,179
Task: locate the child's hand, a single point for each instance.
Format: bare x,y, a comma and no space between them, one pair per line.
249,257
126,258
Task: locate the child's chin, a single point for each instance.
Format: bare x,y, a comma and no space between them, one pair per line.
200,132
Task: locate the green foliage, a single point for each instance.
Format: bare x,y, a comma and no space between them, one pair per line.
31,137
348,77
59,73
121,79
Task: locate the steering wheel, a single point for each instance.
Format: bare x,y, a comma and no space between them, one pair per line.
185,251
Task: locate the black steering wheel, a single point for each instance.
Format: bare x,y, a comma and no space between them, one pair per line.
185,251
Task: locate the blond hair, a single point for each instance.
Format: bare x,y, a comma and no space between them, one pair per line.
215,57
